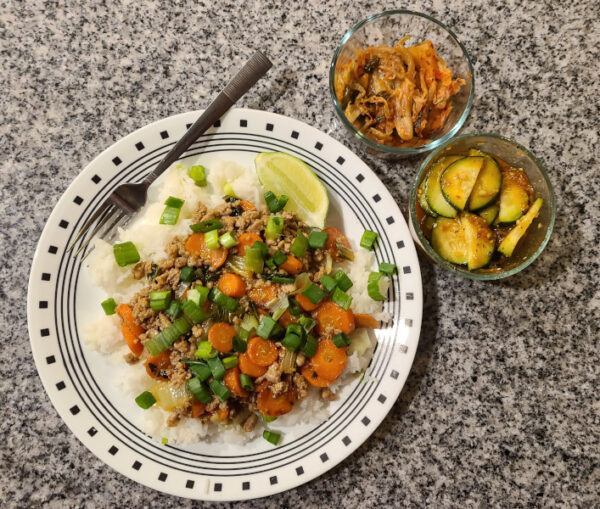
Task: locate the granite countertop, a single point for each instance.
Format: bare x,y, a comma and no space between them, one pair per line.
501,406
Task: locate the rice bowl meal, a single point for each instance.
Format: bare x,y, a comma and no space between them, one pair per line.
236,309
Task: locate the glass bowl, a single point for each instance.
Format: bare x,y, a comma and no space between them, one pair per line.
538,234
387,29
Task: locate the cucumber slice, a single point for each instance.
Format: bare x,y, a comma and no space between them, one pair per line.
427,225
459,178
489,214
488,182
514,195
448,240
433,190
422,198
480,240
509,243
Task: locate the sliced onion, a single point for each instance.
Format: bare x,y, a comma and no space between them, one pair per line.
280,306
301,283
181,288
237,264
328,263
168,397
288,364
249,322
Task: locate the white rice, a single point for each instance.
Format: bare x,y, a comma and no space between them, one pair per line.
151,238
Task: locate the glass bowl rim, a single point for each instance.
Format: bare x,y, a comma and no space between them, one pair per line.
386,148
453,268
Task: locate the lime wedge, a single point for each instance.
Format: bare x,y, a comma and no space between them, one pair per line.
282,173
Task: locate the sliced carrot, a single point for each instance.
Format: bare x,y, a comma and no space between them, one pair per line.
287,319
247,205
222,414
133,341
248,367
329,361
362,320
292,265
332,318
335,236
275,406
312,377
247,240
157,365
262,352
306,304
263,295
197,408
259,387
221,335
131,331
232,285
196,246
233,383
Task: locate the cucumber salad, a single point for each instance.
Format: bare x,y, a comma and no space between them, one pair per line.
475,208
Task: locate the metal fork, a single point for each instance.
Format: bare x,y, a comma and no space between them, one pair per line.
127,199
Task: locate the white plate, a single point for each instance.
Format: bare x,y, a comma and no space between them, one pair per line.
76,379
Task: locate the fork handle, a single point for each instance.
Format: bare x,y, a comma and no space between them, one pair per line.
246,77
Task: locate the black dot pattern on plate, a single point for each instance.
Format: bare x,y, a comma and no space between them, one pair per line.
360,177
92,431
346,441
139,145
400,244
189,484
218,486
273,479
269,127
245,485
74,409
299,470
403,348
63,224
394,374
96,179
410,296
295,134
43,304
340,160
113,450
50,359
164,135
376,198
136,465
60,386
408,322
318,145
366,421
45,276
389,220
53,250
406,269
44,332
162,477
217,124
187,126
381,398
243,123
117,161
324,457
78,200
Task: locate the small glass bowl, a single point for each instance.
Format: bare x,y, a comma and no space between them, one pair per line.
538,234
387,28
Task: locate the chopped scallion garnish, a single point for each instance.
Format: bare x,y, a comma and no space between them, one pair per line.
246,382
239,343
271,437
187,274
226,302
314,294
171,213
193,311
294,308
199,390
206,226
109,306
145,400
374,286
174,309
220,390
341,298
279,257
216,367
343,281
368,239
230,362
274,227
205,350
328,283
198,174
317,239
212,239
266,326
300,245
291,342
341,340
126,253
160,300
387,268
202,371
275,204
227,240
254,259
307,323
310,346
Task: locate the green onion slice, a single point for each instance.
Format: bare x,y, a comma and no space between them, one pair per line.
302,283
198,174
246,382
239,343
341,340
300,245
274,227
328,283
254,259
249,322
374,284
226,302
160,300
314,294
109,306
344,283
216,367
317,239
279,257
145,400
275,204
266,327
199,390
230,362
187,274
205,350
271,437
206,226
200,370
126,253
193,312
310,346
368,239
280,306
306,323
212,239
174,309
387,268
220,389
341,298
227,240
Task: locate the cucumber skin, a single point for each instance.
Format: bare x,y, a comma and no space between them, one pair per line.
492,198
448,210
509,243
455,167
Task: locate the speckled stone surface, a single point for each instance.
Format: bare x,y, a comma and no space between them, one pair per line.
501,407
